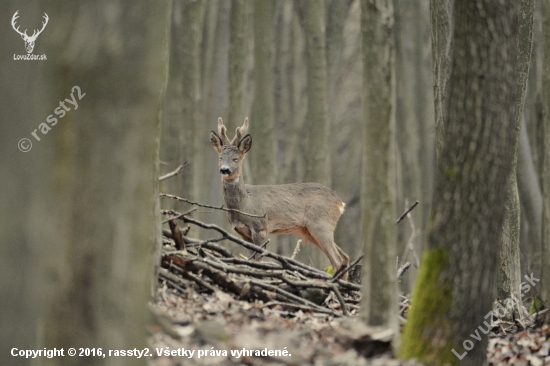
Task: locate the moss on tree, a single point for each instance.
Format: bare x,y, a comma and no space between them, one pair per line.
431,303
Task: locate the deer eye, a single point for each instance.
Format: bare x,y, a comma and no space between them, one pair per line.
235,159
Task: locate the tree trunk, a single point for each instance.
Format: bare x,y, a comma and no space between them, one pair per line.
336,16
545,278
215,56
530,198
379,303
509,274
28,181
264,157
456,284
442,19
84,234
415,126
236,107
315,131
316,128
183,99
533,100
345,109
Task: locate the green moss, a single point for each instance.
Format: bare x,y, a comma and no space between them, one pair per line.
428,335
329,270
450,172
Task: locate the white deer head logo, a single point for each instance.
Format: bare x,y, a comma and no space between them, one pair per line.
29,40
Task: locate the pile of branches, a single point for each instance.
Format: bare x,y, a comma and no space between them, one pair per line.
279,281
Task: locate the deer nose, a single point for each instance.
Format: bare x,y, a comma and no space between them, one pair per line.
225,171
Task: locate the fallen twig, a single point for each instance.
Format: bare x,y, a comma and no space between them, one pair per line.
341,273
177,236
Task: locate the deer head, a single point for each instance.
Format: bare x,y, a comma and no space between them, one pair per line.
29,40
231,153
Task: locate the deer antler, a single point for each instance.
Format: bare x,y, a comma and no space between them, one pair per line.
240,132
13,19
222,131
35,34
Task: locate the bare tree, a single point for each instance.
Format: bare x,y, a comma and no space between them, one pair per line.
442,20
264,161
315,131
378,181
316,127
183,99
215,50
83,231
414,126
456,284
236,106
509,274
545,279
27,183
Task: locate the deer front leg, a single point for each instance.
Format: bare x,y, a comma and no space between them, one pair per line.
259,238
255,237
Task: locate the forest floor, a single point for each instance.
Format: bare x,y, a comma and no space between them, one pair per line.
216,309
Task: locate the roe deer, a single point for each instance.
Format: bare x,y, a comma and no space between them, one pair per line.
309,210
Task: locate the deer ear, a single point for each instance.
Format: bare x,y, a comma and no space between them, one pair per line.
245,144
216,141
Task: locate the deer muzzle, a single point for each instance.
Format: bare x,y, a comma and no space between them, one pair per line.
225,170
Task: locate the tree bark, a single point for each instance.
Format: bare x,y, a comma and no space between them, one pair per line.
314,135
509,274
336,15
183,100
379,303
264,157
415,125
236,107
215,81
545,278
533,100
84,248
530,198
27,181
442,19
456,284
316,128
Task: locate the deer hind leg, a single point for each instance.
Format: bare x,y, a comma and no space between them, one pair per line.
324,239
343,254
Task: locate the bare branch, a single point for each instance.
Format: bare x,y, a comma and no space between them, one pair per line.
174,173
176,234
286,262
208,206
264,245
339,274
179,215
403,269
406,212
297,249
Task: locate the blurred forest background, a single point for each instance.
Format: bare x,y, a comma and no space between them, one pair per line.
257,59
244,59
339,92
